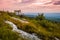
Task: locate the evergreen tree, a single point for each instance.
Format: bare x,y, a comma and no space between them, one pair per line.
40,16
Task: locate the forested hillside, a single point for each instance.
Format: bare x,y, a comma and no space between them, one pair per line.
41,27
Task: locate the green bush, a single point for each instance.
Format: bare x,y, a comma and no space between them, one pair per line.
40,17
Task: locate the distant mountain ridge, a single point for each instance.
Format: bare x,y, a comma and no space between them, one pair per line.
49,16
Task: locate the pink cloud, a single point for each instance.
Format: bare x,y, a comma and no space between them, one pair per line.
28,6
54,2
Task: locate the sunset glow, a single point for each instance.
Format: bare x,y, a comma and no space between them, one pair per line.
31,5
19,0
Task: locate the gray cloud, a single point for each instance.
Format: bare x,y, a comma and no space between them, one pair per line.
57,3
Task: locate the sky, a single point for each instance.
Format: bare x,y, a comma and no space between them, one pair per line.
31,5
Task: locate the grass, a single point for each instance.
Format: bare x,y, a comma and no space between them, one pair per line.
43,28
6,32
